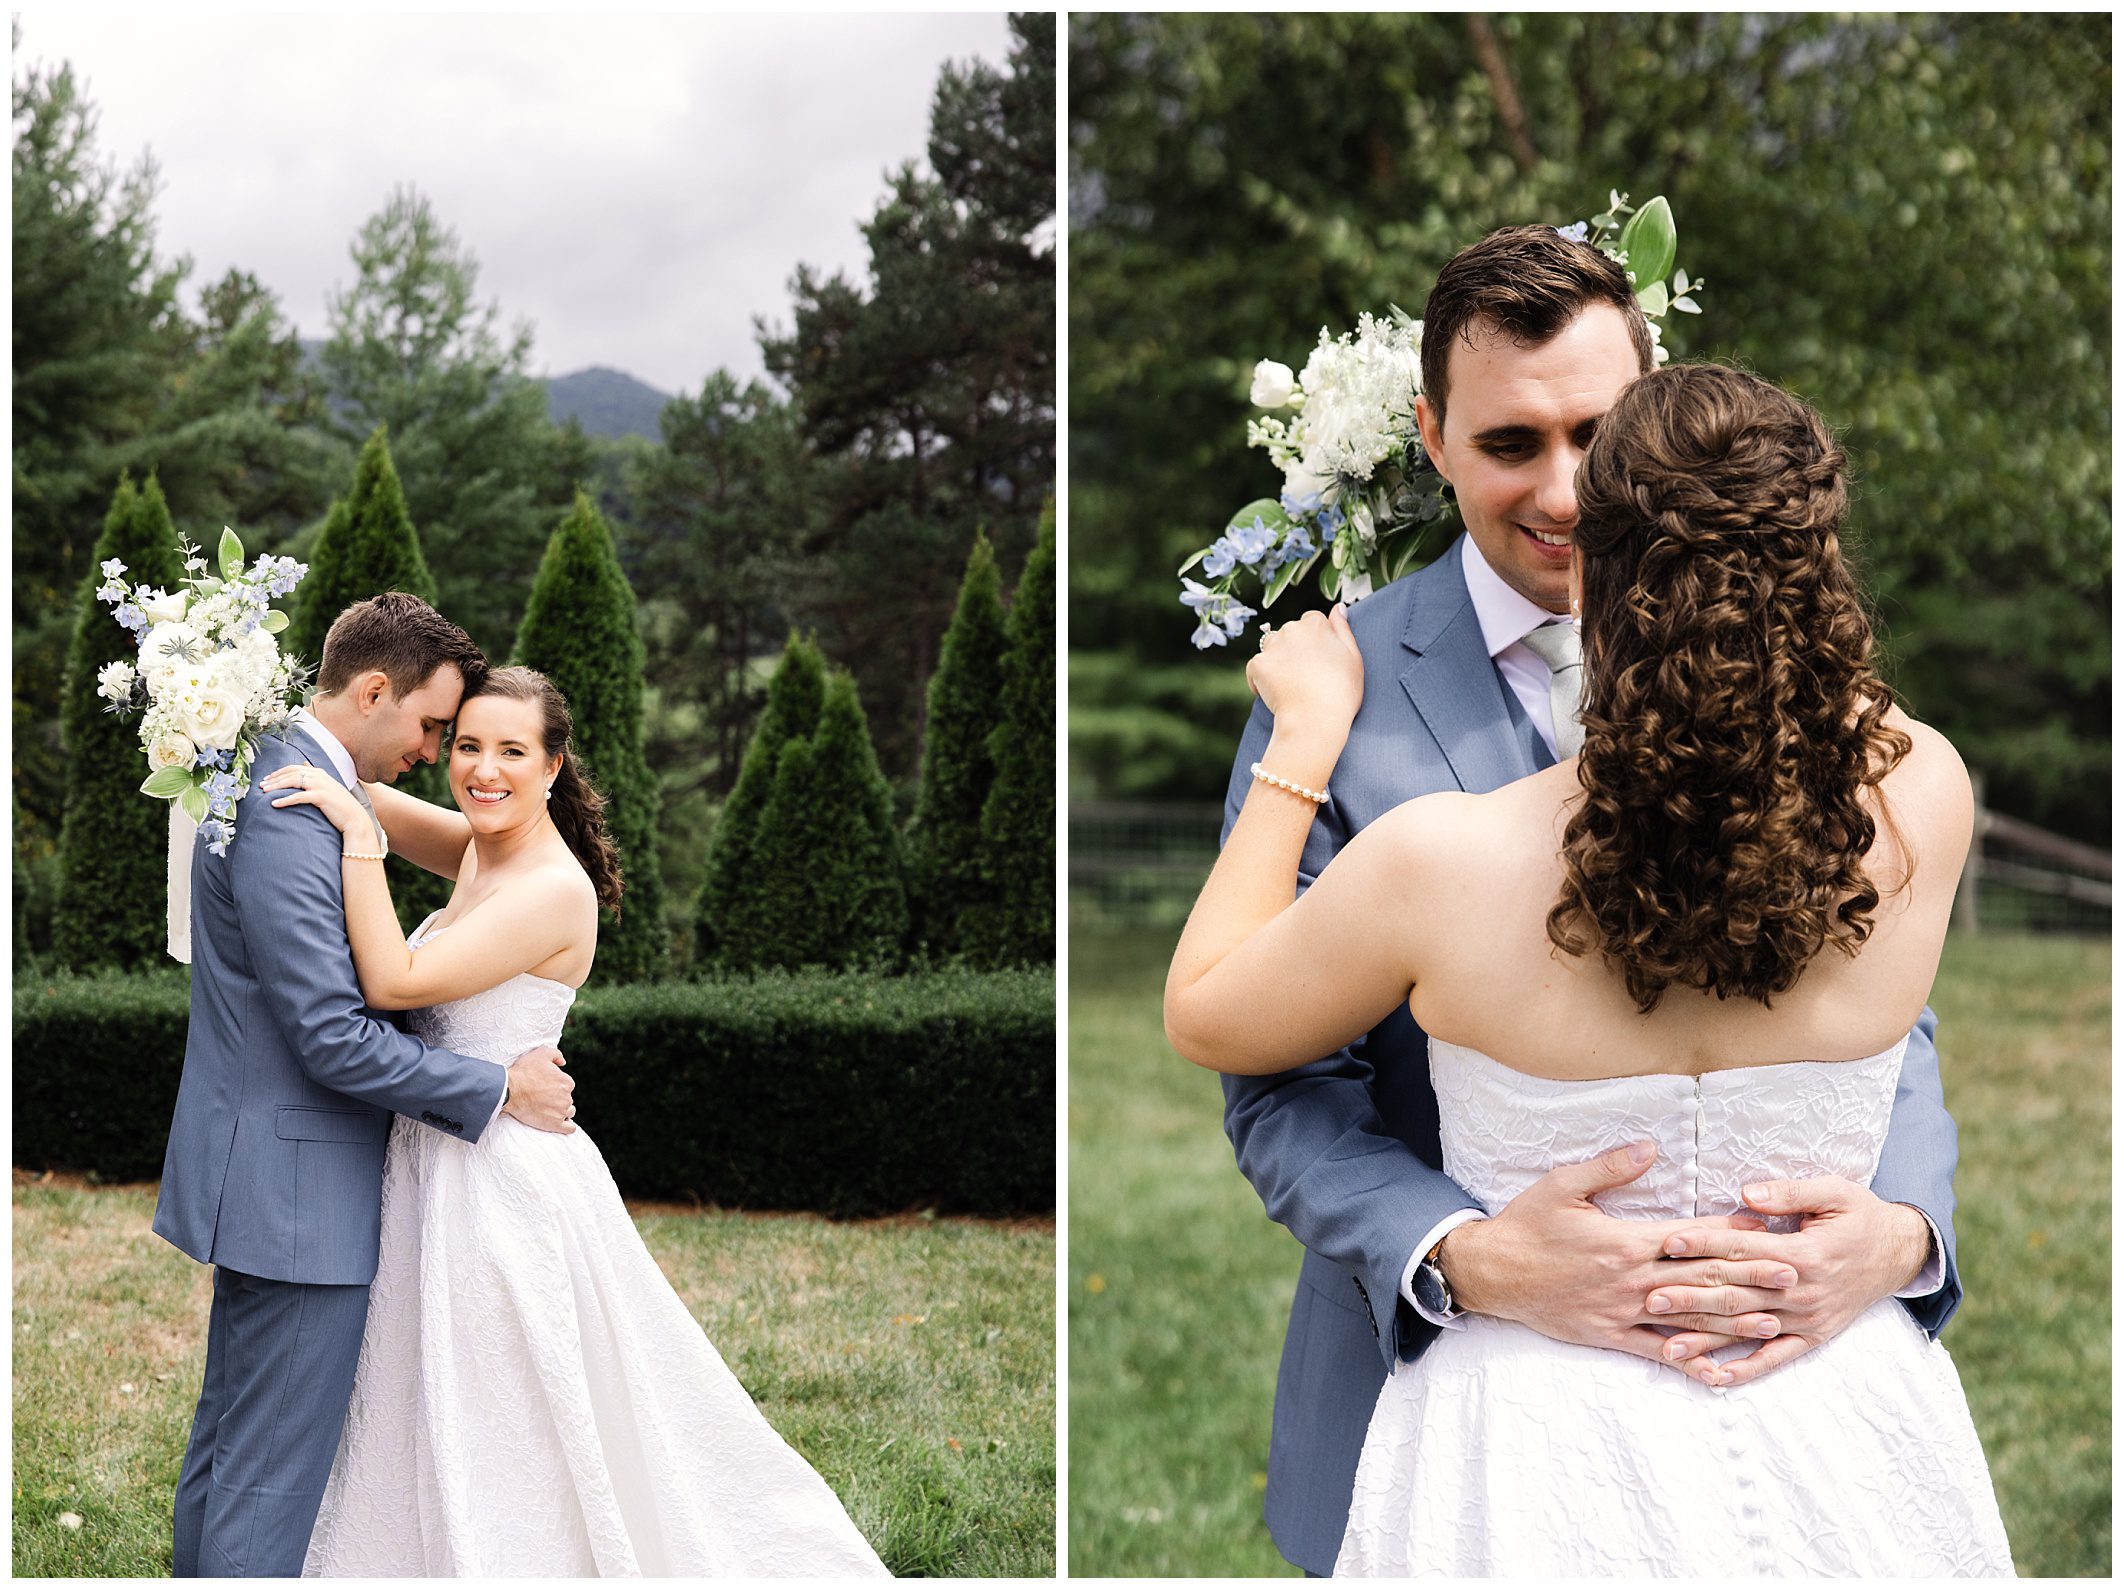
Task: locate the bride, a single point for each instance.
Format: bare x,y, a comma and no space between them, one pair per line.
533,1399
1624,954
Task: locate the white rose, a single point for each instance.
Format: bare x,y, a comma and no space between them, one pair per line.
160,653
170,750
1273,385
212,714
163,608
115,682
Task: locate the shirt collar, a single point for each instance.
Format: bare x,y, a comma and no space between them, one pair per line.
335,753
1506,617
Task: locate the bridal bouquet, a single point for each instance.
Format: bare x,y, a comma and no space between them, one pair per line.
1361,502
209,680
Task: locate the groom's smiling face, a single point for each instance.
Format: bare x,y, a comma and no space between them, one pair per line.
1518,419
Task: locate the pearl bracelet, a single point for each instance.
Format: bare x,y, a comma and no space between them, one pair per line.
382,838
1317,796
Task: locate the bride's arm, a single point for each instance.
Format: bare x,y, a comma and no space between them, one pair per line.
1261,982
434,838
521,925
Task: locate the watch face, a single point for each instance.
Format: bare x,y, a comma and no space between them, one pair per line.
1430,1288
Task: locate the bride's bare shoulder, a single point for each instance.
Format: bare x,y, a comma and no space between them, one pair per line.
1931,780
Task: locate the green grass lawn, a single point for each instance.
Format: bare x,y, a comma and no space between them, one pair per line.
1179,1286
911,1361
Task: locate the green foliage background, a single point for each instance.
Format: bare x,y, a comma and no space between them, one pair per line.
1906,219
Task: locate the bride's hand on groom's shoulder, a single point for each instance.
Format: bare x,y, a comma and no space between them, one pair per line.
1309,670
311,786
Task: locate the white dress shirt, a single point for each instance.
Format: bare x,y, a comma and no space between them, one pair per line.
1507,618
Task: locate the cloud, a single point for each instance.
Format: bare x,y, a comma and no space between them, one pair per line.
639,188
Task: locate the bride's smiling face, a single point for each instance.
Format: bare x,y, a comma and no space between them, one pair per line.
1517,422
498,768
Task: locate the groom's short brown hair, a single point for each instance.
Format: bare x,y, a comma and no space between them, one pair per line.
402,635
1528,282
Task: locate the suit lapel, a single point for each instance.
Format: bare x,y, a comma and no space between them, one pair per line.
1454,686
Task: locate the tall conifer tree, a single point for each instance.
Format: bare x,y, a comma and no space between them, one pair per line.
826,857
369,546
580,630
1017,924
114,845
958,767
794,697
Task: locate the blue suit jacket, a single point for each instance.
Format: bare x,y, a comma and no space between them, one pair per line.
275,1161
1344,1152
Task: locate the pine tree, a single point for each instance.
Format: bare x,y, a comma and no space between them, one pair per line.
826,857
958,768
794,697
368,546
1017,924
114,843
581,631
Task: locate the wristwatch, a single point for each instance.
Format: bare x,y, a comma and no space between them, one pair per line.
1432,1289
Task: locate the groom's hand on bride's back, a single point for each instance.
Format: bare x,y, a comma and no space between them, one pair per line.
541,1094
1553,1261
1852,1249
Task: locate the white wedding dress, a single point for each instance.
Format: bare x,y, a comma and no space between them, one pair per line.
1502,1453
533,1399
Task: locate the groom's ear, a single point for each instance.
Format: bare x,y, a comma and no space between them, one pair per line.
1432,427
371,688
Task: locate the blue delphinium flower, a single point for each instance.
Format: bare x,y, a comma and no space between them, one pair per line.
1330,521
112,568
1221,559
1252,542
1576,231
133,619
1297,545
1234,617
221,791
1300,507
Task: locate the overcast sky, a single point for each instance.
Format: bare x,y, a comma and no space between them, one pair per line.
637,187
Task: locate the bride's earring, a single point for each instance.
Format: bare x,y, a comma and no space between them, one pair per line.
549,792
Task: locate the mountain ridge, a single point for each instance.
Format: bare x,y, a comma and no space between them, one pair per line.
607,401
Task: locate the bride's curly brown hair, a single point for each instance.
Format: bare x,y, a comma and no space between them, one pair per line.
1732,714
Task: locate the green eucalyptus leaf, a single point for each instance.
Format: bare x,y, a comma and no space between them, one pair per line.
1649,241
231,556
1653,300
167,783
1191,562
274,621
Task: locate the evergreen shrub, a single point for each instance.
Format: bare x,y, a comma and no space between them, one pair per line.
958,768
853,1095
825,859
794,697
113,900
368,546
1017,924
582,632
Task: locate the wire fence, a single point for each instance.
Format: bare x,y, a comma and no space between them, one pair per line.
1141,863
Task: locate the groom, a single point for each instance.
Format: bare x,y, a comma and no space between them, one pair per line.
274,1173
1528,339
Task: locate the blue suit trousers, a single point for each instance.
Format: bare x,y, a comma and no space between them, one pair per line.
279,1372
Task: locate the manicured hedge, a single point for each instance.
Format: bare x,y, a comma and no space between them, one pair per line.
855,1095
